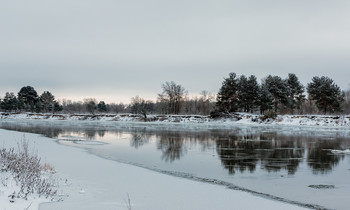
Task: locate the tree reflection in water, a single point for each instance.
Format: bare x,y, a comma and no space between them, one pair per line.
244,153
236,154
320,159
139,138
90,133
171,144
101,133
239,150
284,153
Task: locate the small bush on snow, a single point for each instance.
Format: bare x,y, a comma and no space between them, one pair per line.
269,115
26,170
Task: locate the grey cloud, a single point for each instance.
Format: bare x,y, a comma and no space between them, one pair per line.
134,46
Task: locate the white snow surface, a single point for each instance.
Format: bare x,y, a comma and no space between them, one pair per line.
32,202
237,118
90,182
347,151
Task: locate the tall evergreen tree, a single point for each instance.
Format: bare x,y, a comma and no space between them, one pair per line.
248,93
326,94
28,97
296,90
265,99
38,107
47,101
101,106
57,107
243,95
278,89
10,102
228,98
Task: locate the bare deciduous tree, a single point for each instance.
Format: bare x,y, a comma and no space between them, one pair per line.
90,105
139,105
173,96
206,102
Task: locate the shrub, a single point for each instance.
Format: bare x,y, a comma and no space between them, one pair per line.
27,171
218,114
269,115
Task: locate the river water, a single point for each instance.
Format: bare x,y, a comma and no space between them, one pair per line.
290,163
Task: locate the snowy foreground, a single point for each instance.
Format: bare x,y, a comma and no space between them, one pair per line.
90,182
32,202
237,118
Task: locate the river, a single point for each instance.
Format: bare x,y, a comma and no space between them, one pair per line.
289,163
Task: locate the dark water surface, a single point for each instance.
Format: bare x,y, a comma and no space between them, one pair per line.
292,163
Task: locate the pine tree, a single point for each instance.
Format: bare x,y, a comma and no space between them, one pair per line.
296,90
28,97
265,99
227,99
253,93
10,102
243,95
57,107
38,107
248,93
47,101
278,89
101,107
326,94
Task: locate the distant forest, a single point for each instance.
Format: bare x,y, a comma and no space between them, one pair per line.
274,95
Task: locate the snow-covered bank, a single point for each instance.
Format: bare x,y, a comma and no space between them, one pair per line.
237,118
96,183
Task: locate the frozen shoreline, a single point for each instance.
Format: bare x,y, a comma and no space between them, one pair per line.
340,121
97,183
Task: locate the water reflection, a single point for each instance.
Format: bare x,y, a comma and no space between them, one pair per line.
139,138
101,133
172,145
243,153
238,151
319,157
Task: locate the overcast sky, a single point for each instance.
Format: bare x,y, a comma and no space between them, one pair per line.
113,50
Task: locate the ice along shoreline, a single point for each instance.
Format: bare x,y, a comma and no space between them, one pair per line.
341,121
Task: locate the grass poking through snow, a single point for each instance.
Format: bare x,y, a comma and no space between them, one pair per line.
24,168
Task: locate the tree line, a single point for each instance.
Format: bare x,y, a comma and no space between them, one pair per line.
173,100
279,95
28,99
237,94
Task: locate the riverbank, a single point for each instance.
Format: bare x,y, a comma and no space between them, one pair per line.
234,119
90,182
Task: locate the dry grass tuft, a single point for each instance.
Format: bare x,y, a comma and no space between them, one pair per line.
49,168
26,170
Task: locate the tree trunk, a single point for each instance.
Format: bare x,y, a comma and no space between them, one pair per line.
276,105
